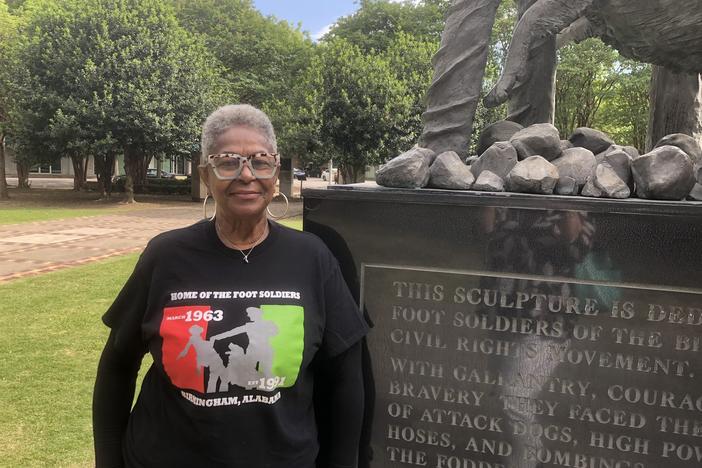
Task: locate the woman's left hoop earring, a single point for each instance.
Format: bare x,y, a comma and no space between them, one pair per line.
204,209
287,206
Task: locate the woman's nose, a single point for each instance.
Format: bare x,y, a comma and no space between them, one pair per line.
247,173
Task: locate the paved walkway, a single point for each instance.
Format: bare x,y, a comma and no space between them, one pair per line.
28,249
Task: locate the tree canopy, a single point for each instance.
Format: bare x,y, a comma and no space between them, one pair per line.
112,76
356,107
137,77
9,25
363,105
596,87
377,23
8,38
259,55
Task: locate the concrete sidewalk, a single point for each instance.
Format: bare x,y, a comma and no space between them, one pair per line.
28,249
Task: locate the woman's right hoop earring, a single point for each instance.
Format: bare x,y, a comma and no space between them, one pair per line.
204,208
287,206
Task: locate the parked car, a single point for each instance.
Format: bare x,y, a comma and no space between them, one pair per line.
313,171
299,174
325,175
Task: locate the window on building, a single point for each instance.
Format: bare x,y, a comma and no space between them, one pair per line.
46,168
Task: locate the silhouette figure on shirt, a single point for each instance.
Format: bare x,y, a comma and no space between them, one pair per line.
205,356
242,368
260,332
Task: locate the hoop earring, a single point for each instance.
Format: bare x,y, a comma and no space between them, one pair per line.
287,206
204,209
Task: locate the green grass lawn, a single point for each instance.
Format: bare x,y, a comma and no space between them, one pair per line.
50,343
295,223
25,215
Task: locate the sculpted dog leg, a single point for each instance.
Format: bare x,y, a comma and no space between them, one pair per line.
459,66
544,19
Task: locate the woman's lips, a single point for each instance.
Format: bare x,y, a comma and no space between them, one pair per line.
245,195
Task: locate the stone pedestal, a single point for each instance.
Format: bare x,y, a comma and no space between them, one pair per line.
285,177
523,331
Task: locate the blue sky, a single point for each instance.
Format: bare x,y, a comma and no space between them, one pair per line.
315,15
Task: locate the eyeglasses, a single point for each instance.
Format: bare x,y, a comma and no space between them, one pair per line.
228,166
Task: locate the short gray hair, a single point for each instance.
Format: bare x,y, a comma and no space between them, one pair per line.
234,115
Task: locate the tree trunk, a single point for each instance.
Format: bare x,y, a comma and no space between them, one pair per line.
351,174
131,170
107,174
676,105
77,171
135,165
22,175
111,170
104,168
4,194
80,167
99,169
146,160
85,172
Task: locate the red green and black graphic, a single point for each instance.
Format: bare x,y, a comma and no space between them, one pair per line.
264,353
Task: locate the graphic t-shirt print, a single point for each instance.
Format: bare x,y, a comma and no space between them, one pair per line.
201,353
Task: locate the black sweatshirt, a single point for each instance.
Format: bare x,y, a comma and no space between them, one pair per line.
236,348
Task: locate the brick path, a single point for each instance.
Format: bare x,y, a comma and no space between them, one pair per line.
28,249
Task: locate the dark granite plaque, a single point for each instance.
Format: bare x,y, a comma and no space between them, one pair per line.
520,331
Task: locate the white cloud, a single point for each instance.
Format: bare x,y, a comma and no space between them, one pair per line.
319,34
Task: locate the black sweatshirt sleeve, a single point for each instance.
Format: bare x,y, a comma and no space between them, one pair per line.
119,364
112,401
344,324
345,407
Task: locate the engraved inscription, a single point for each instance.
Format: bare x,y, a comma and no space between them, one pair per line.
476,371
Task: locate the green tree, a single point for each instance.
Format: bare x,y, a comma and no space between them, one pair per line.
363,105
586,79
409,58
297,117
377,23
113,76
260,55
8,38
625,115
306,118
15,4
410,32
405,35
597,87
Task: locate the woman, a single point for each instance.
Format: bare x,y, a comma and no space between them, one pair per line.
234,281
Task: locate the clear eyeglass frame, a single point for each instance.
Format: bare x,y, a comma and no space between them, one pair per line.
266,172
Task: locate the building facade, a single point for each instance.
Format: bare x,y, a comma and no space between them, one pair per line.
177,165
